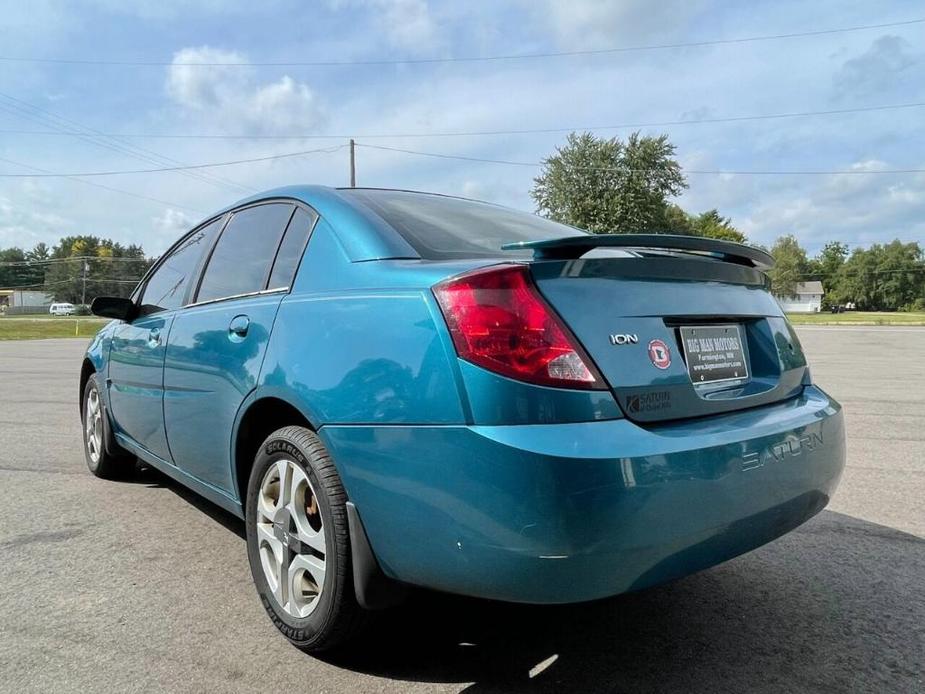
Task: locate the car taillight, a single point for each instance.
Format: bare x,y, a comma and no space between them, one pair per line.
500,322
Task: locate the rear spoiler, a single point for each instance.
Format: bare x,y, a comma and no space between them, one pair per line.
576,246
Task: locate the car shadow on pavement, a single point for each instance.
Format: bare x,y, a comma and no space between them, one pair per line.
836,605
149,476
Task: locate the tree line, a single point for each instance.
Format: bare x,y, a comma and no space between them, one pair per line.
76,269
883,277
614,186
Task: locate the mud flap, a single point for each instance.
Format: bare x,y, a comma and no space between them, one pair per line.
374,590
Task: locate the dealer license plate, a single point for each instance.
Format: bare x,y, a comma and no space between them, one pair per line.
714,353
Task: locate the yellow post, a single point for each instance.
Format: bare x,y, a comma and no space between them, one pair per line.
77,328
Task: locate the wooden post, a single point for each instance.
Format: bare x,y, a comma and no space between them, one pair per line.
353,164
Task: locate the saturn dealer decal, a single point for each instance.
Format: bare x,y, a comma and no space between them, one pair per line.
659,354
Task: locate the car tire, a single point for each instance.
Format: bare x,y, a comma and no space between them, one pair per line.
298,542
102,460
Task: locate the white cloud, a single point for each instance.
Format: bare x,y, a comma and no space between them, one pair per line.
233,98
605,23
24,225
285,104
407,24
197,87
860,208
171,221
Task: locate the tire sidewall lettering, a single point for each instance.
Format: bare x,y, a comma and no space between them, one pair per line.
281,446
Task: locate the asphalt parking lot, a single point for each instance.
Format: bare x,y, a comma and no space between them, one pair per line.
140,586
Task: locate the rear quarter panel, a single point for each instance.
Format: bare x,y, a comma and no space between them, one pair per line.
350,348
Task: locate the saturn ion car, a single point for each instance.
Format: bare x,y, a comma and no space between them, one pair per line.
399,389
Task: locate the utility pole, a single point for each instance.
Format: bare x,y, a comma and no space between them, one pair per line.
353,164
83,299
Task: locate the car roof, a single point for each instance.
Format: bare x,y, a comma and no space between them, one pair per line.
363,234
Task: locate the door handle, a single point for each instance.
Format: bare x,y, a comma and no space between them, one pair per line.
238,327
154,337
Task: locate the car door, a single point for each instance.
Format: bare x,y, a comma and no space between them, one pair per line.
217,344
136,357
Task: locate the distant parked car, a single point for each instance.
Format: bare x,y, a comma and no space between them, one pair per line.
397,388
62,309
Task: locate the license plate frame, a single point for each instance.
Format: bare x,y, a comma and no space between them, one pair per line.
715,353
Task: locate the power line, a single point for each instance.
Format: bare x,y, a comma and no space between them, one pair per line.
38,286
508,162
466,59
57,283
253,160
458,157
73,258
105,187
469,133
29,111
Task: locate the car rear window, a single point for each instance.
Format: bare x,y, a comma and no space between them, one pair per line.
440,227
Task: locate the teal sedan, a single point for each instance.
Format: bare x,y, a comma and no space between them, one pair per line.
398,389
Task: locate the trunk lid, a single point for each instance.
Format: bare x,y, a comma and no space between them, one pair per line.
642,318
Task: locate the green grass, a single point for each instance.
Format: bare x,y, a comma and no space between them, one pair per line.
38,327
857,318
33,328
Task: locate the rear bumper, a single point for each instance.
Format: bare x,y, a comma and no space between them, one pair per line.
572,512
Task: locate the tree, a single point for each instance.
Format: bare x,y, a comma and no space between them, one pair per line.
709,224
609,186
826,266
12,271
111,269
714,226
677,221
790,266
883,278
21,269
857,279
901,274
39,252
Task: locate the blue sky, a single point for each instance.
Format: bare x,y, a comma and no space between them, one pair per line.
828,72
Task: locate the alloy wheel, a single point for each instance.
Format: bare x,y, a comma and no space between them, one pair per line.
290,537
93,425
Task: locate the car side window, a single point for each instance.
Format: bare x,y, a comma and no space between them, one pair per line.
167,286
241,259
291,249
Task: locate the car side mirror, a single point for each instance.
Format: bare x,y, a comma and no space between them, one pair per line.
114,307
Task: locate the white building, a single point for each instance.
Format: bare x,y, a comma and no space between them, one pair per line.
808,299
19,297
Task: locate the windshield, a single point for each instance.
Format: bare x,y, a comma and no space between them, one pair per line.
440,227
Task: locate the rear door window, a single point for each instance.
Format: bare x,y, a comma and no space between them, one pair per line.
241,260
290,250
166,287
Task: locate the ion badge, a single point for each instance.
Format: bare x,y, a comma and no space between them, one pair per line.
659,354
